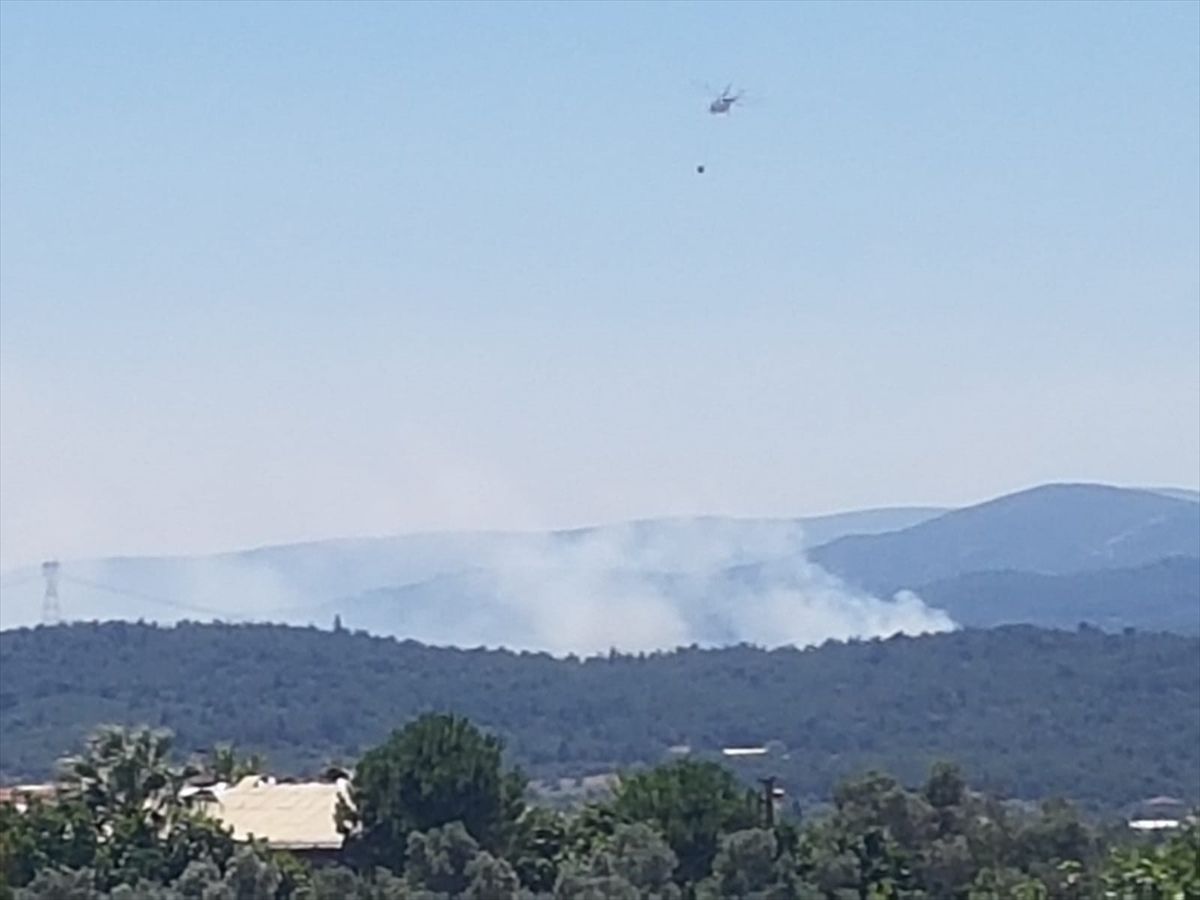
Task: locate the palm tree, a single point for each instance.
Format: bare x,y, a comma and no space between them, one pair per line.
126,774
222,763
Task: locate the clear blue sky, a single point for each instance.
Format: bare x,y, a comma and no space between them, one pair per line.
272,271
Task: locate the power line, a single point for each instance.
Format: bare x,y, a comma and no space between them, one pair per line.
193,607
27,578
151,598
52,611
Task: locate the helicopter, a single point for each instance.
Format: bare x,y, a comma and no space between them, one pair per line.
721,105
724,102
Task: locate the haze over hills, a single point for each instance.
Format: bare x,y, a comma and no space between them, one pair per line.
1163,595
1177,493
299,583
1053,555
1051,530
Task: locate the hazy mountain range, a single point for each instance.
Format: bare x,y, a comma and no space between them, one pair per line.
1052,555
1051,530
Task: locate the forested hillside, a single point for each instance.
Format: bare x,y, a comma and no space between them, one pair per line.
1053,529
1160,596
1106,718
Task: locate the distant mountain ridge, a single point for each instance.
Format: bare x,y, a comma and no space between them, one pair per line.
1056,529
1051,555
1163,595
1177,493
314,576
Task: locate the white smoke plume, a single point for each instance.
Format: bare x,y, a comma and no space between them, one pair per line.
656,587
641,586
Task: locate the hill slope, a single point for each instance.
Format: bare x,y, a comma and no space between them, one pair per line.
1050,530
1107,718
1159,596
1178,493
472,609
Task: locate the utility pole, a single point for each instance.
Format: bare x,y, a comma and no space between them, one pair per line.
768,784
51,608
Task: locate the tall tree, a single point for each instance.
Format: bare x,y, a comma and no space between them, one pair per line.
117,815
1166,870
224,763
541,846
42,837
746,866
126,774
692,804
436,770
633,862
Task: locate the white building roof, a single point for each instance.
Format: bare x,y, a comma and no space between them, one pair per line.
287,816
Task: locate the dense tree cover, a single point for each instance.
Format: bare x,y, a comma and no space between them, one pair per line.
438,770
1101,718
1166,871
117,814
119,829
692,804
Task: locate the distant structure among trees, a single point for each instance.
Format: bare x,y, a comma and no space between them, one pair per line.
1029,712
434,812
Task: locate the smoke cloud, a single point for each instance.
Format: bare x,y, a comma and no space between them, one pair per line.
643,587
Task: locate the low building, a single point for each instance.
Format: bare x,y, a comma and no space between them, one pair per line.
1159,814
296,816
286,815
738,752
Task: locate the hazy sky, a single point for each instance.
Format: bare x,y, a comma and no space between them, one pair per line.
273,271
